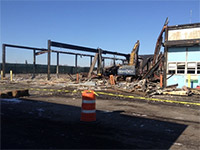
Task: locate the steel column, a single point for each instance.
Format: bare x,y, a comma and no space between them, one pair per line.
114,61
104,62
4,60
90,61
49,60
57,67
165,60
76,59
34,63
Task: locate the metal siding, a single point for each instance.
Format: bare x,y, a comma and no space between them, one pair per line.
193,54
180,79
177,54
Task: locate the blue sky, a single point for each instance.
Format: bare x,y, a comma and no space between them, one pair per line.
110,25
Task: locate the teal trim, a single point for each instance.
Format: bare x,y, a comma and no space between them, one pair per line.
192,80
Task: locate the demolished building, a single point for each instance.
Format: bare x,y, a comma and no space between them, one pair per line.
182,55
180,63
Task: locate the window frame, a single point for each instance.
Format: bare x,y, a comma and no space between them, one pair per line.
170,69
177,64
197,68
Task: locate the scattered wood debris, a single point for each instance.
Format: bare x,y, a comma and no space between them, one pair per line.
14,93
144,87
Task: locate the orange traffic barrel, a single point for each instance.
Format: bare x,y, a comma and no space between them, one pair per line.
88,112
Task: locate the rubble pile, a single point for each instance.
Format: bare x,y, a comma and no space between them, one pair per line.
143,87
148,88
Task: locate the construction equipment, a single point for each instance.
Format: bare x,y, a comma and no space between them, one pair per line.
134,54
130,70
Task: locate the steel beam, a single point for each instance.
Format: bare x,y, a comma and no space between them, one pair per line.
114,58
86,49
43,50
71,53
24,47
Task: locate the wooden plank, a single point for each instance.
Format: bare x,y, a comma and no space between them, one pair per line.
183,93
99,65
173,86
93,64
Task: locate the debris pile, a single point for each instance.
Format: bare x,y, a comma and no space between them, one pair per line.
144,87
149,88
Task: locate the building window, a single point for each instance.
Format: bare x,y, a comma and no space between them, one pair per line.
191,68
198,68
171,68
180,68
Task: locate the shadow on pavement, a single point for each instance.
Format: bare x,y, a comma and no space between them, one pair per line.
43,125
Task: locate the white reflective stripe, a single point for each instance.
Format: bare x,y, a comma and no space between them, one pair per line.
88,101
88,111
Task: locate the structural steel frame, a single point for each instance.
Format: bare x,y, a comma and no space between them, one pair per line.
60,45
